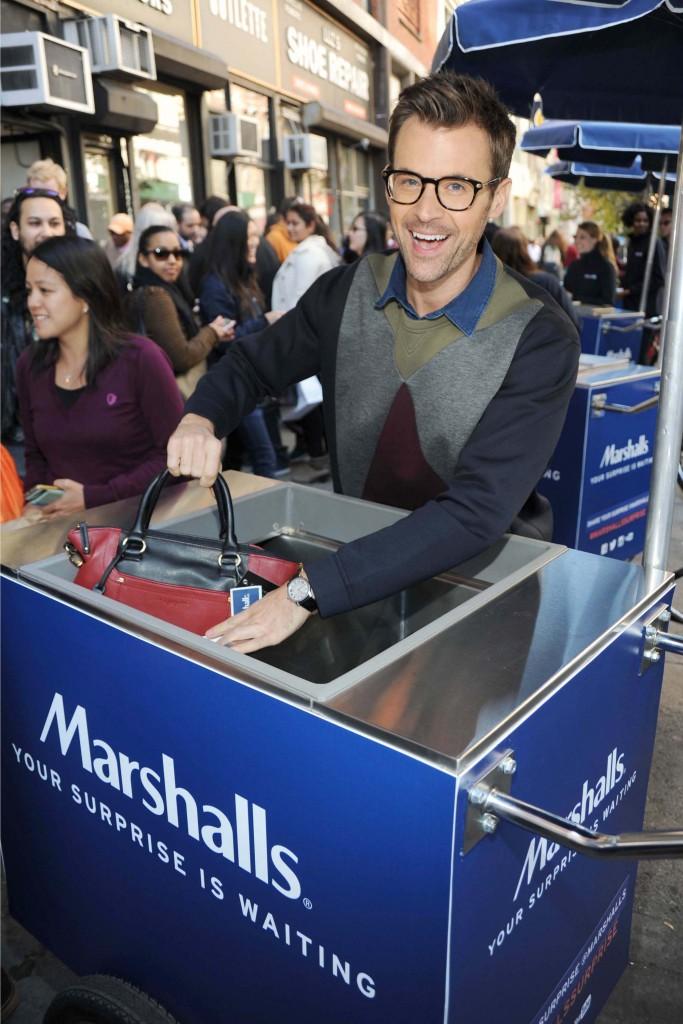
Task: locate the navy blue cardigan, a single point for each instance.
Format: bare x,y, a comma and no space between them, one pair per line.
504,457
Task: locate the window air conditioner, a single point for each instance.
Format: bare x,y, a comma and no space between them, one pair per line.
116,46
305,152
42,71
231,136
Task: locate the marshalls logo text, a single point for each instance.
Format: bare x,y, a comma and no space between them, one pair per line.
244,843
613,456
541,850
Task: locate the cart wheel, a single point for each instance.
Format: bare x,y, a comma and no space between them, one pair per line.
102,999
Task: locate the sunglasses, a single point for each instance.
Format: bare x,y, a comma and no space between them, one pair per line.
40,192
162,254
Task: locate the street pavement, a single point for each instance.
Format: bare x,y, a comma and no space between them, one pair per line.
650,991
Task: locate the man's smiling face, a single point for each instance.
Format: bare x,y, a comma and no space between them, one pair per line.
438,245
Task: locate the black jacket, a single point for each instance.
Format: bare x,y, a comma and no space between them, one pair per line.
635,272
592,280
498,467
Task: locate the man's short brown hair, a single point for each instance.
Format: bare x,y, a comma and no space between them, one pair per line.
448,100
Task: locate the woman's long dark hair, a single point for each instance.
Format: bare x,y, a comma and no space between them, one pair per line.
376,228
510,246
309,215
89,275
227,257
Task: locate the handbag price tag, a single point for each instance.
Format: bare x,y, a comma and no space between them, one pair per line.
243,597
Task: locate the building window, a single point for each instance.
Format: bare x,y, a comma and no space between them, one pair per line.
395,86
218,169
250,171
409,13
162,158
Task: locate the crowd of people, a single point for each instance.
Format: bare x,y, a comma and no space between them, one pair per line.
588,272
101,344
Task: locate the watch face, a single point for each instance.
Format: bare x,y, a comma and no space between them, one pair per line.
298,589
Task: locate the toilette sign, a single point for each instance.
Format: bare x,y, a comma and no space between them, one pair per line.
243,32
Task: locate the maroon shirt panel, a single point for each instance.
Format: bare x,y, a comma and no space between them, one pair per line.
399,474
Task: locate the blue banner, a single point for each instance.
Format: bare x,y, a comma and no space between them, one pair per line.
215,846
598,479
544,931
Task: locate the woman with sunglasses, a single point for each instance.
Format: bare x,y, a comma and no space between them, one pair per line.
97,403
160,307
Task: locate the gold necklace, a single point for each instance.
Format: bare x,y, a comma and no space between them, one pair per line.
73,377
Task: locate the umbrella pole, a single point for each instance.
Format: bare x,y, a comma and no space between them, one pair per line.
670,421
654,236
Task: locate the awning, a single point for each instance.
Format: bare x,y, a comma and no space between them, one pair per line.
188,63
123,109
317,115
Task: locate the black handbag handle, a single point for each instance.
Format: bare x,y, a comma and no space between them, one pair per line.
134,541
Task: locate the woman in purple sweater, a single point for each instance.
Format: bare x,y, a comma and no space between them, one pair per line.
97,404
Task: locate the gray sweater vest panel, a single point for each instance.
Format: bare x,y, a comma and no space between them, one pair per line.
450,392
366,381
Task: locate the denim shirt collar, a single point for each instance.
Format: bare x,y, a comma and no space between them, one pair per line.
464,310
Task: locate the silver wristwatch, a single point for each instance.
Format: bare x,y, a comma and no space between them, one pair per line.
299,591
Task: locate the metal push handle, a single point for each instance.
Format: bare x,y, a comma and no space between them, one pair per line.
641,845
608,325
656,639
601,406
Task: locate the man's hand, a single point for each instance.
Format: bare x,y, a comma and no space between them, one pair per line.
194,450
267,623
70,503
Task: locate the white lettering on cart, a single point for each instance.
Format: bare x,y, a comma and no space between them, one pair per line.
612,455
540,851
246,844
33,764
139,838
509,927
338,967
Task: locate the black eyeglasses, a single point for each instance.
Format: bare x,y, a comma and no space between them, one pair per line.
455,193
163,254
38,192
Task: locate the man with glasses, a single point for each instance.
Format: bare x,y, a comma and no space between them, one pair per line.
446,376
35,214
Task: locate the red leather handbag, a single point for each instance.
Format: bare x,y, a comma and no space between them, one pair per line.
181,579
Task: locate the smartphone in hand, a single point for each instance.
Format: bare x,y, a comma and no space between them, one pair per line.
43,494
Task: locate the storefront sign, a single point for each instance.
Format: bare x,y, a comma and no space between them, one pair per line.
242,33
321,61
171,16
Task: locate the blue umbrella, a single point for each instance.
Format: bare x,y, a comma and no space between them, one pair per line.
597,142
616,62
624,179
618,179
587,60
